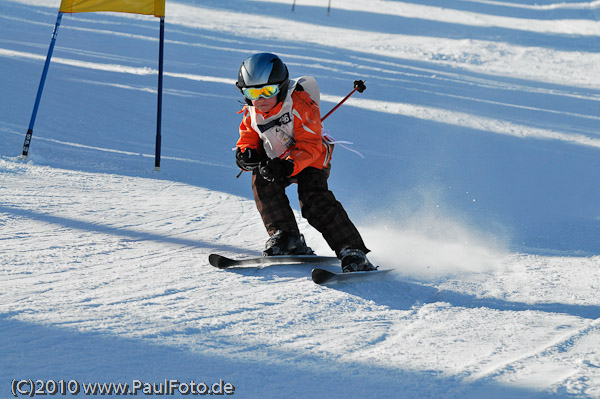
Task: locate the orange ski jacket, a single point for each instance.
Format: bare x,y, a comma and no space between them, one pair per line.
302,135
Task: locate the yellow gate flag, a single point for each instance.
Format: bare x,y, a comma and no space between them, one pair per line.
147,7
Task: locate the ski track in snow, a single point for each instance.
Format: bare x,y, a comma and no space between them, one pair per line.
104,263
144,275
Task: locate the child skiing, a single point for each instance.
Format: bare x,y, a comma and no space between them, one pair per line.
281,143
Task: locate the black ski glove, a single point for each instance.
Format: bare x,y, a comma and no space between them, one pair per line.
276,168
249,159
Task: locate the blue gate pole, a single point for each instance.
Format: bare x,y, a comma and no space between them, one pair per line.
160,89
41,88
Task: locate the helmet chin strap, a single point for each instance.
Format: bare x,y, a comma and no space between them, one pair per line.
283,91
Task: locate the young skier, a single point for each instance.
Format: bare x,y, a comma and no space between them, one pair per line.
281,143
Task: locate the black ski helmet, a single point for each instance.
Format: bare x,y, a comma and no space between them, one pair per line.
263,69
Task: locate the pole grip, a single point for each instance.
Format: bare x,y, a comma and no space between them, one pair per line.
359,85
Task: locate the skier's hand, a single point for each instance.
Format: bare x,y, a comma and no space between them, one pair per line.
276,168
249,159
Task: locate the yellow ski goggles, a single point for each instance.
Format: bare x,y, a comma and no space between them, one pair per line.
268,91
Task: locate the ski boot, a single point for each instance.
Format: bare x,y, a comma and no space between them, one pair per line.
284,243
355,260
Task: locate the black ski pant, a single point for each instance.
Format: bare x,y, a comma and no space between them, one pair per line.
318,206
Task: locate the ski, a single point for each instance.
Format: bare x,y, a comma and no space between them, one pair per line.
322,276
223,262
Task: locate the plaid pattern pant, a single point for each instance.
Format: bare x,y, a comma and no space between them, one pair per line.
317,204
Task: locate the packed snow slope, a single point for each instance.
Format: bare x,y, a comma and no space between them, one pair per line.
479,186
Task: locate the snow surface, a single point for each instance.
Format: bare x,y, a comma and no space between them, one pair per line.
480,186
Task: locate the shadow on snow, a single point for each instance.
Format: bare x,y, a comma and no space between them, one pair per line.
32,350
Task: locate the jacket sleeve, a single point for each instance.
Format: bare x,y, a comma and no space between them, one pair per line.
307,132
249,138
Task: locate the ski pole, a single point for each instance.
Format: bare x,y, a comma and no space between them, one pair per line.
359,85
